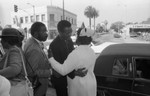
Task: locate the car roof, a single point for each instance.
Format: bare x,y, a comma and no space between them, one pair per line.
127,49
101,47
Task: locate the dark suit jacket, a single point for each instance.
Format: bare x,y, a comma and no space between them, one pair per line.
39,63
61,49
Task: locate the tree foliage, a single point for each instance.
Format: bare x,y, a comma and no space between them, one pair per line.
95,15
117,26
100,28
146,22
90,12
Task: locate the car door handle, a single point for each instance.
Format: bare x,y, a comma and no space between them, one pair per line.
140,85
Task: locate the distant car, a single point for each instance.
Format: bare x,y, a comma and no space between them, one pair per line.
134,34
123,70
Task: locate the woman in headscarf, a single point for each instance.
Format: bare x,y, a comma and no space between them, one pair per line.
82,57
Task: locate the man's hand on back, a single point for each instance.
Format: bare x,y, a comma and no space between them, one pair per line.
81,72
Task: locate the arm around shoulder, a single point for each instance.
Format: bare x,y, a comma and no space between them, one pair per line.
68,66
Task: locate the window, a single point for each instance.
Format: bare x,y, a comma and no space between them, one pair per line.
14,20
43,17
51,17
75,21
52,20
32,18
120,67
26,19
21,19
69,19
66,18
37,18
142,67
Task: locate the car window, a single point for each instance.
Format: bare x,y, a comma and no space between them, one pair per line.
142,68
120,67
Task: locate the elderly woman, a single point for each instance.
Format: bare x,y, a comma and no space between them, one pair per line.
82,57
11,64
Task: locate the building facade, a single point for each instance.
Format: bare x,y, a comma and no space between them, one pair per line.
49,15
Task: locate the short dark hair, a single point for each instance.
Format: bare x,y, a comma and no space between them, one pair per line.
63,24
36,27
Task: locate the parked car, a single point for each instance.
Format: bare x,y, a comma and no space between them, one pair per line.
99,48
123,70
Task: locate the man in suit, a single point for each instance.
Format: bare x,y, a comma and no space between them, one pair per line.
61,46
38,63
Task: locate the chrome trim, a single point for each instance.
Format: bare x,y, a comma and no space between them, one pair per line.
113,89
141,93
120,77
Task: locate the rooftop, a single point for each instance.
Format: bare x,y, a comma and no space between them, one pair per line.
61,9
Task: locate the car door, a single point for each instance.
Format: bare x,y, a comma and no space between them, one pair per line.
141,85
119,80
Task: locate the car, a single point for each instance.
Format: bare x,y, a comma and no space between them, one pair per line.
99,48
123,70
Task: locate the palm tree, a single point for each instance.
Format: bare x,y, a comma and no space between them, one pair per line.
95,15
89,13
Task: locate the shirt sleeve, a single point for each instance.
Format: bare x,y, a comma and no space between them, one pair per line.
14,65
68,66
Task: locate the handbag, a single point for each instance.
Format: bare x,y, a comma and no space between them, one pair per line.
20,87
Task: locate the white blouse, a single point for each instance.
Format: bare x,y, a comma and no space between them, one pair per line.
82,57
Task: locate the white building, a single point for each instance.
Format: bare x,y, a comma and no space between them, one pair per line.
49,15
136,28
5,9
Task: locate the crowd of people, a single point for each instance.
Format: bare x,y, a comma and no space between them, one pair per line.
70,69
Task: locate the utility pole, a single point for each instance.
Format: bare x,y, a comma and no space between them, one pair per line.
63,11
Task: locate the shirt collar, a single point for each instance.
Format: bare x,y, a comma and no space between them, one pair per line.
39,42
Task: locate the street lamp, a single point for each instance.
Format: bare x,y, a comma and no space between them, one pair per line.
33,10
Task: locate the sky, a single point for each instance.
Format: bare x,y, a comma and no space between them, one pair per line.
110,10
